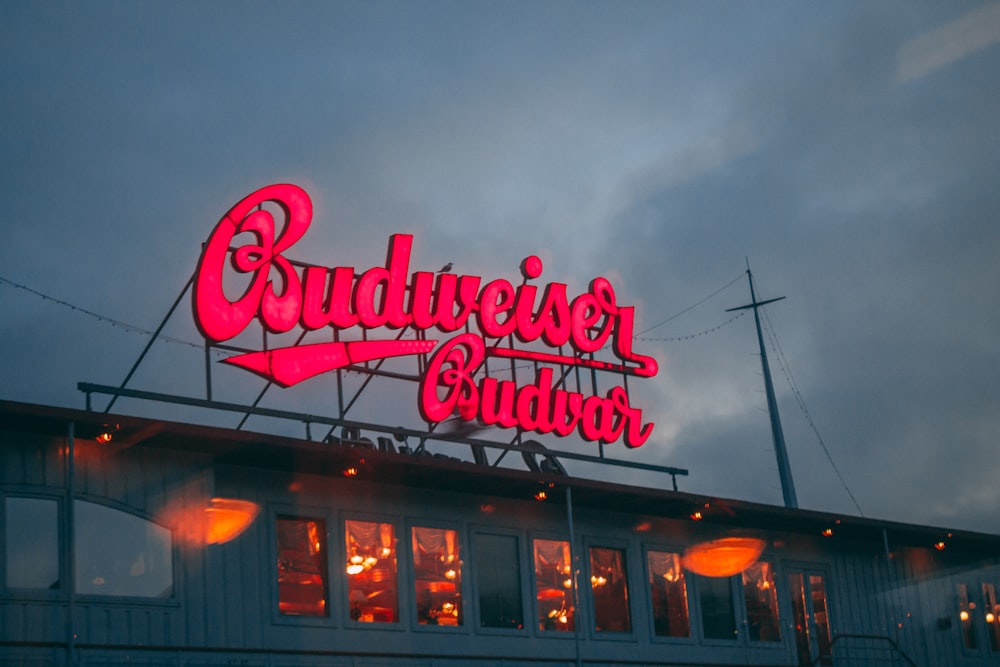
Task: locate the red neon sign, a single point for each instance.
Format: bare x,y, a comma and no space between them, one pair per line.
283,297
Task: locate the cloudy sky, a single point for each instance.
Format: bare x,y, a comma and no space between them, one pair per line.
849,151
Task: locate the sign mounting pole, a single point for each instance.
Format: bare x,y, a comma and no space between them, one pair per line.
784,469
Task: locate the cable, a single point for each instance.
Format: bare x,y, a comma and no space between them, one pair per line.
101,318
783,363
692,307
695,335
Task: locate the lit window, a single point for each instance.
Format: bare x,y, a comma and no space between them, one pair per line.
121,554
717,610
371,572
668,591
965,615
554,585
498,573
302,574
609,585
32,543
991,614
761,602
437,571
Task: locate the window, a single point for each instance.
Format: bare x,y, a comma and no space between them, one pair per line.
302,569
965,617
32,543
437,571
668,592
991,614
609,584
121,554
717,610
371,572
498,575
554,585
761,603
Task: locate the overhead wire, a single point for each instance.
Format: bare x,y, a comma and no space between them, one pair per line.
786,371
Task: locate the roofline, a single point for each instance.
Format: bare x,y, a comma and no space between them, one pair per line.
227,446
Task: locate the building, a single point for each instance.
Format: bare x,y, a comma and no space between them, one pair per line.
133,540
179,544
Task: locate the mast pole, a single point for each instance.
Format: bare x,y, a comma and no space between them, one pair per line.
777,435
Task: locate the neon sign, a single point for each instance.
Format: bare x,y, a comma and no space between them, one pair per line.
283,296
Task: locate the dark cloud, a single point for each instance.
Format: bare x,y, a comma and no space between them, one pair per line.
848,151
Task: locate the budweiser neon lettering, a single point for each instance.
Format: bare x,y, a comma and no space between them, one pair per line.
283,295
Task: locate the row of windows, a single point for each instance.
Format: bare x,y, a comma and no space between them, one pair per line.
370,568
123,555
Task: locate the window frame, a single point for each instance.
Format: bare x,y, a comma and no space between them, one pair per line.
62,563
524,584
692,600
585,574
402,554
171,600
737,598
534,609
411,576
334,587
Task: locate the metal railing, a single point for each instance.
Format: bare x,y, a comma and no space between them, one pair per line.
849,649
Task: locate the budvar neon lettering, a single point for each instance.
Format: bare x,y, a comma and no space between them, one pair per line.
283,296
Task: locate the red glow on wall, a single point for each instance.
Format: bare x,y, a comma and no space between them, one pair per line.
250,245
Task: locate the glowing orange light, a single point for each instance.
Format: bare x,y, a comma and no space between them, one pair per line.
351,472
450,574
724,557
107,433
964,615
541,495
827,532
696,516
990,617
939,546
226,518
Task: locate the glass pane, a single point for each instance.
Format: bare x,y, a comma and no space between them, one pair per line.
965,617
554,585
499,577
800,617
762,602
992,616
121,554
609,584
718,618
668,591
302,574
371,572
32,539
821,614
437,570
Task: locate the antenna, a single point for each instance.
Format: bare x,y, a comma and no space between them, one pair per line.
784,469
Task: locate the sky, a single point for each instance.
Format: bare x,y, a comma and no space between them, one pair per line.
847,152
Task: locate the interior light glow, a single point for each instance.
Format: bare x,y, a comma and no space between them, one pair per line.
724,557
226,518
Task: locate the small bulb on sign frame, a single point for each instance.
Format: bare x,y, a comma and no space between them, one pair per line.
939,546
541,495
350,472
